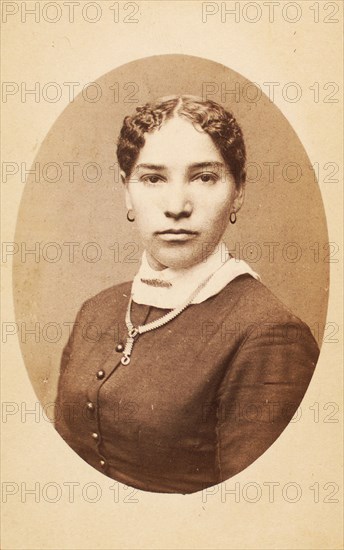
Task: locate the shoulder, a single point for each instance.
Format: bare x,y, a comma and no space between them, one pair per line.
110,295
260,312
255,302
273,343
107,302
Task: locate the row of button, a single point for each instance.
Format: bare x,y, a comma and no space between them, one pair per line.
95,436
100,375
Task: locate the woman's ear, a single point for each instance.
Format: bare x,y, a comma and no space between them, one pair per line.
239,198
123,176
128,202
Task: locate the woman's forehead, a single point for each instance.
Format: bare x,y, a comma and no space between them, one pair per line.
178,142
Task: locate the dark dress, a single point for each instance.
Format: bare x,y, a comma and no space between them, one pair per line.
203,396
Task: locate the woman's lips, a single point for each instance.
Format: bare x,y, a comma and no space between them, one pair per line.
177,235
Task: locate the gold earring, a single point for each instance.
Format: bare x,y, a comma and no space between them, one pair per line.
129,218
232,217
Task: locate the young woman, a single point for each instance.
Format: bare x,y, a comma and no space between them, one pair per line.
199,367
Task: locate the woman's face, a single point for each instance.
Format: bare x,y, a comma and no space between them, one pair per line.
181,194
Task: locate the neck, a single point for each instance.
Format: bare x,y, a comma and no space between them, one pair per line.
167,288
157,266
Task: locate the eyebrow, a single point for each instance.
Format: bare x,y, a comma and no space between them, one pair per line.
151,166
213,163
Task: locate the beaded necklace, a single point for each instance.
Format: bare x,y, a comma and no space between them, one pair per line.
134,332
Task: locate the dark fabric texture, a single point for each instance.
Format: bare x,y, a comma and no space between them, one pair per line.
202,397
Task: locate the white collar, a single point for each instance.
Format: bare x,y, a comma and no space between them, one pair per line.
169,288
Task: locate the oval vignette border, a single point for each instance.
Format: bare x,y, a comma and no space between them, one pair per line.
73,212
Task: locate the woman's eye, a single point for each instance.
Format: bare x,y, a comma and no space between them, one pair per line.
151,179
207,178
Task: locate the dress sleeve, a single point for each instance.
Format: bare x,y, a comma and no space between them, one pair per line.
74,336
261,391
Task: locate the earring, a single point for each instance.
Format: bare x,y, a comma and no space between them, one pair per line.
232,217
129,218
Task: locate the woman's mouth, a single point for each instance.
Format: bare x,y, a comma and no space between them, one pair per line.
177,234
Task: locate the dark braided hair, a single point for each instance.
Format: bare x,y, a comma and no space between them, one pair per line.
211,117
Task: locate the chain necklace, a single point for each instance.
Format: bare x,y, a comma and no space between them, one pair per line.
134,332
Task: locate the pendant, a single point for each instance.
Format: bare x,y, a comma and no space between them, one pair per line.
128,348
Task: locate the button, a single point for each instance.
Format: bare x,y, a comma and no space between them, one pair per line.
95,435
90,406
119,347
102,463
100,374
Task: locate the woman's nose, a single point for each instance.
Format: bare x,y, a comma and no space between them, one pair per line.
178,204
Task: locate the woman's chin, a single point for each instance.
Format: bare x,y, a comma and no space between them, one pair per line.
179,257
